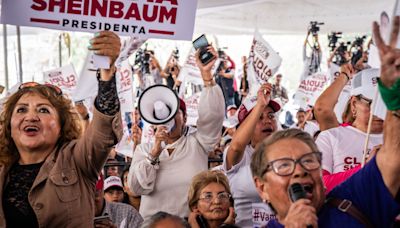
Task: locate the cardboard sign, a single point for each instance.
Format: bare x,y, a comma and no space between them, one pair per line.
65,78
166,19
310,89
264,62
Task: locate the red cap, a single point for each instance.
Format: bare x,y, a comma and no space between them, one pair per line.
243,112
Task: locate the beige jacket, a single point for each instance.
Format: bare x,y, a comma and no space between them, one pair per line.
63,192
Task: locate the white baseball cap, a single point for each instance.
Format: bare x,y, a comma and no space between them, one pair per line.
364,83
112,181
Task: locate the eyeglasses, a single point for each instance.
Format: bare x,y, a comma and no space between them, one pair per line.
54,88
208,197
364,100
285,166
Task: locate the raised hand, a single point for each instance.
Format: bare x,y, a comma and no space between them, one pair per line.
264,94
388,53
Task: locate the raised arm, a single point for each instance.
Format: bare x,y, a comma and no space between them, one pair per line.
105,128
211,106
245,131
389,86
325,104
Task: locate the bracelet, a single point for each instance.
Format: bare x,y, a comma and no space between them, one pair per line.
208,80
391,96
209,83
152,160
345,74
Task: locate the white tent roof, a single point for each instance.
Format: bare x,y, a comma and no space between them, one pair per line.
288,16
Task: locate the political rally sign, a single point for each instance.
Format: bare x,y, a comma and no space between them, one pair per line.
165,19
192,106
310,89
124,81
264,61
65,78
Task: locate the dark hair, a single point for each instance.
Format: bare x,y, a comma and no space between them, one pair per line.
70,125
259,158
161,215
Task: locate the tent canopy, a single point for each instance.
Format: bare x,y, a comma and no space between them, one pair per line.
234,17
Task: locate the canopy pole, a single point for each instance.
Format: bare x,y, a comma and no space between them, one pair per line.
5,41
19,54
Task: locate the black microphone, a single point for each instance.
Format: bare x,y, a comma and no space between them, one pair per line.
296,192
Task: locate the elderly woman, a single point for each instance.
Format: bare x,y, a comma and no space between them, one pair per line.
48,170
209,200
162,175
365,199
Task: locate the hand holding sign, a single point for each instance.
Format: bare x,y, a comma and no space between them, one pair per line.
389,55
106,43
264,94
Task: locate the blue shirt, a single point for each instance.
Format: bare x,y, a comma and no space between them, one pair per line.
368,193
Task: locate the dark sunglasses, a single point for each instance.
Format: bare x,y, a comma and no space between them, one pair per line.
54,88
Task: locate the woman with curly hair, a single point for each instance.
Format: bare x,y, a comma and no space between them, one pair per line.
48,170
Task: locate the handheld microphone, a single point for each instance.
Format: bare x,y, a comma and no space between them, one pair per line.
296,192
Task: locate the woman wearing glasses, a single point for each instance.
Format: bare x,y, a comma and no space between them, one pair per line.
48,170
369,198
210,200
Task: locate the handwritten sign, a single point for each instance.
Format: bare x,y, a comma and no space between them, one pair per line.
166,19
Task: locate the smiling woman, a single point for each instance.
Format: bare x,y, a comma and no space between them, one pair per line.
48,169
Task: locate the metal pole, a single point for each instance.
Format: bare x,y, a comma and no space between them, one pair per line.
19,53
5,55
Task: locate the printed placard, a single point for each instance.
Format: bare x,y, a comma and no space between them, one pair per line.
310,89
166,19
65,78
264,61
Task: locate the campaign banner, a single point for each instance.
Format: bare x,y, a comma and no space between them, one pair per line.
264,62
64,77
165,19
310,89
192,107
124,80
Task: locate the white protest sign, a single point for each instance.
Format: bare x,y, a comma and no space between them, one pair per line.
125,146
310,89
166,19
264,62
124,80
65,78
192,107
87,84
334,71
147,133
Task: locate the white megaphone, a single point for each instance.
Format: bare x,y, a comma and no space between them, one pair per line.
158,105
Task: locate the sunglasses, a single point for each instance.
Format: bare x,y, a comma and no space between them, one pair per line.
54,88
